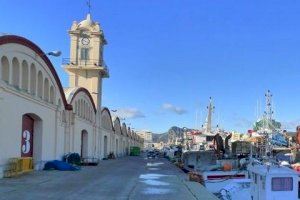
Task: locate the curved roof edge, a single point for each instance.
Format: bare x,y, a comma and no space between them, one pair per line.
75,91
117,119
6,39
124,125
107,110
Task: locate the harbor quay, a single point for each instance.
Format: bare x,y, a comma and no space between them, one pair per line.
158,100
132,178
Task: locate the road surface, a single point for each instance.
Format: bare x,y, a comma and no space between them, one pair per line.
132,178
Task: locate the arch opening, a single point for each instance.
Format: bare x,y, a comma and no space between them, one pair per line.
5,69
52,97
40,85
32,79
117,147
25,76
31,138
84,144
46,90
105,147
15,73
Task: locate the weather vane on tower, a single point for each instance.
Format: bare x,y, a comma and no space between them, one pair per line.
89,5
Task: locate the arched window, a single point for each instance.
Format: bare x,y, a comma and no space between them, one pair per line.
15,73
90,114
5,69
81,108
59,103
75,109
64,116
25,76
32,79
84,111
40,85
52,94
87,112
46,90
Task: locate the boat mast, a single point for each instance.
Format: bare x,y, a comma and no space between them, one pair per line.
268,125
208,121
269,112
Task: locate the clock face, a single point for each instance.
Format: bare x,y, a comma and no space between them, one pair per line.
85,41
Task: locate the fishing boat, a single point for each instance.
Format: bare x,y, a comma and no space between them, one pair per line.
217,170
268,177
252,171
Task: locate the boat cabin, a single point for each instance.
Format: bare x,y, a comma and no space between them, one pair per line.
272,182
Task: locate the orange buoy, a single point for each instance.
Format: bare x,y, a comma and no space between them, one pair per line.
227,167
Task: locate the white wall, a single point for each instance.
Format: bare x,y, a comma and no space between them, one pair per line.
57,131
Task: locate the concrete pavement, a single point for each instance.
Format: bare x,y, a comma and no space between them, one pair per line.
134,178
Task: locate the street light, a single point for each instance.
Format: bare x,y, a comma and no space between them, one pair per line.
51,53
54,53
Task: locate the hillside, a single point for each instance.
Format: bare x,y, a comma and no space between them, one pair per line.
174,131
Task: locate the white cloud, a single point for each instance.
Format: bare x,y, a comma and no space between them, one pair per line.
129,113
174,109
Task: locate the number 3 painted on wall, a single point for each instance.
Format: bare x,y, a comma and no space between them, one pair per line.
26,147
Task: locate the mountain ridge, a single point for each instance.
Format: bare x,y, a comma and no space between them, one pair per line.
174,131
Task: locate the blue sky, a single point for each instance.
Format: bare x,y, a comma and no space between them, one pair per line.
168,57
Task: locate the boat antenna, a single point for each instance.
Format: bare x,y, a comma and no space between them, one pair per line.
269,110
196,120
208,121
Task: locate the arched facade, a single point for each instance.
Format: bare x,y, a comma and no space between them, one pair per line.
127,138
21,101
83,119
119,138
107,131
49,121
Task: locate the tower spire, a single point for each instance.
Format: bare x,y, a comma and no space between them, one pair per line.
85,66
89,6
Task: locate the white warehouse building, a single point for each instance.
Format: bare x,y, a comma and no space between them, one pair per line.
41,119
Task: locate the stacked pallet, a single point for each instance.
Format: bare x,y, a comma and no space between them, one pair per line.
16,166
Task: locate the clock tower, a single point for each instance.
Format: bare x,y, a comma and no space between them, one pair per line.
86,67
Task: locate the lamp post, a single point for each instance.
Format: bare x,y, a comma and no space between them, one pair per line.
54,53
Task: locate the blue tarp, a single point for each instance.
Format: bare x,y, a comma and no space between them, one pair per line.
278,139
60,165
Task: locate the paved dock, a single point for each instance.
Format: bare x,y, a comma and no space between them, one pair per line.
133,178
